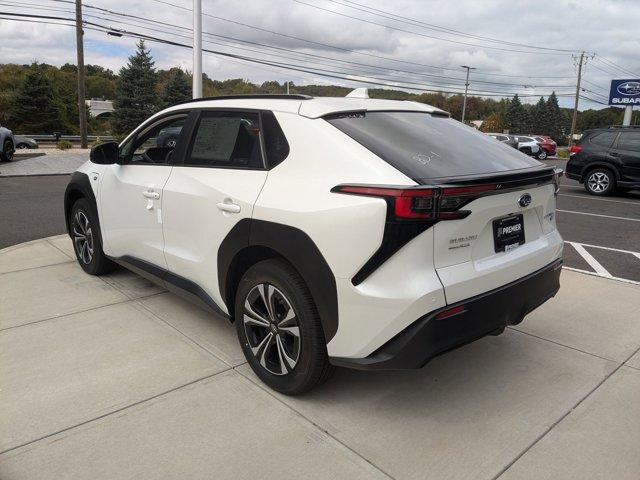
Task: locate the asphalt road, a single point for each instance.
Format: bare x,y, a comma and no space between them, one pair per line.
31,208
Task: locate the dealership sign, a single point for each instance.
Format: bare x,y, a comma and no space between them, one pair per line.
624,92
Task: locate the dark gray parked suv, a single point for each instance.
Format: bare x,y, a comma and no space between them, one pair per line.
7,144
606,160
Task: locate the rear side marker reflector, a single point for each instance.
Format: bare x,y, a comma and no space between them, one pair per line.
450,312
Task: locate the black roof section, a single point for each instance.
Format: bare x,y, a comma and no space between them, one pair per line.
274,96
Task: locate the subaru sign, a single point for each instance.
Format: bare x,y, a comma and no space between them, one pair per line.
624,92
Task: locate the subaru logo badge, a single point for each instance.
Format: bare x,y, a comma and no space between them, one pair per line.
629,88
524,200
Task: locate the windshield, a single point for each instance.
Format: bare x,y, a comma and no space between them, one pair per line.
425,146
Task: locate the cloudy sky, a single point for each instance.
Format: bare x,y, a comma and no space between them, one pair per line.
528,47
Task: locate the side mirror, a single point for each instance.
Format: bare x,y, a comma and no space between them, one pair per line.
105,154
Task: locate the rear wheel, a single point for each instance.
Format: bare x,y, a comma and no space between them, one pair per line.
86,240
600,181
542,155
279,328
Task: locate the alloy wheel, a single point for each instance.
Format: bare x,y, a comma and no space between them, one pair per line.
598,182
272,329
83,237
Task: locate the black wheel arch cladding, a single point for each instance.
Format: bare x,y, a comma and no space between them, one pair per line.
295,247
78,187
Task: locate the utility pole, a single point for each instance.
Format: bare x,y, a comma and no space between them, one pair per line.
82,106
197,48
575,105
466,88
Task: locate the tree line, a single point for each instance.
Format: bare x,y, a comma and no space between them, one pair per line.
41,98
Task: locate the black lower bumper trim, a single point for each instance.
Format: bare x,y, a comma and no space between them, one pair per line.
482,315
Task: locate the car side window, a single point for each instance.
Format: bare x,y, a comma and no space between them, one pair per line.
155,145
604,139
275,143
629,141
226,140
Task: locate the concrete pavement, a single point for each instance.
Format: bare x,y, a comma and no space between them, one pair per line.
113,377
53,162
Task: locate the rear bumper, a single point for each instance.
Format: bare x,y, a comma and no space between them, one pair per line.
482,315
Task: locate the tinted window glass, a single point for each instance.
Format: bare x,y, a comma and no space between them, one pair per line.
423,146
226,139
629,141
157,144
276,145
604,139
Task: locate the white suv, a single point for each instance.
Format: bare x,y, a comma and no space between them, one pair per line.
362,233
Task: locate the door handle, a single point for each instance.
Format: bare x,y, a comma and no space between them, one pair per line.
151,194
228,206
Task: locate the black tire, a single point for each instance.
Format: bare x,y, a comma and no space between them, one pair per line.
22,146
306,363
542,154
6,155
89,253
600,182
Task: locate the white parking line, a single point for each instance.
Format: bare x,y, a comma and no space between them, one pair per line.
624,280
599,215
637,254
587,197
593,263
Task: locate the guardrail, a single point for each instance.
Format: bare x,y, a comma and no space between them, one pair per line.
52,139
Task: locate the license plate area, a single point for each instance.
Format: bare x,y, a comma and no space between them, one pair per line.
508,233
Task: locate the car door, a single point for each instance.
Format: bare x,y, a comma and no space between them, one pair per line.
131,192
215,188
628,150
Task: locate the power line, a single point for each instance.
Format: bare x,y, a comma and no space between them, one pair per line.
431,26
615,65
334,47
423,34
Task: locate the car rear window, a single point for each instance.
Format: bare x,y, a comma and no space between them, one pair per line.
604,139
425,146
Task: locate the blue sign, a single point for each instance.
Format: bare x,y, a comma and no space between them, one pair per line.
624,92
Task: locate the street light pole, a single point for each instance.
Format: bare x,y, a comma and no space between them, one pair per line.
82,106
197,48
466,89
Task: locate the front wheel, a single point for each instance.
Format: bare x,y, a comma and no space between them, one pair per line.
279,328
87,243
7,151
600,182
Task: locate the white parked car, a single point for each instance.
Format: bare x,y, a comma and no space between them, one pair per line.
363,233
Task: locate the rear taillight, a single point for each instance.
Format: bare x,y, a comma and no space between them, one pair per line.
428,203
575,149
557,173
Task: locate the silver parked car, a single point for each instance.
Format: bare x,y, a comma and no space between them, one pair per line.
23,142
7,144
527,145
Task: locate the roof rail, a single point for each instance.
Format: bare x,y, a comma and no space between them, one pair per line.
275,96
623,126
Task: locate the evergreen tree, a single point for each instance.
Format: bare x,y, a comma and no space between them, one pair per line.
516,116
136,98
539,118
557,128
34,108
176,89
